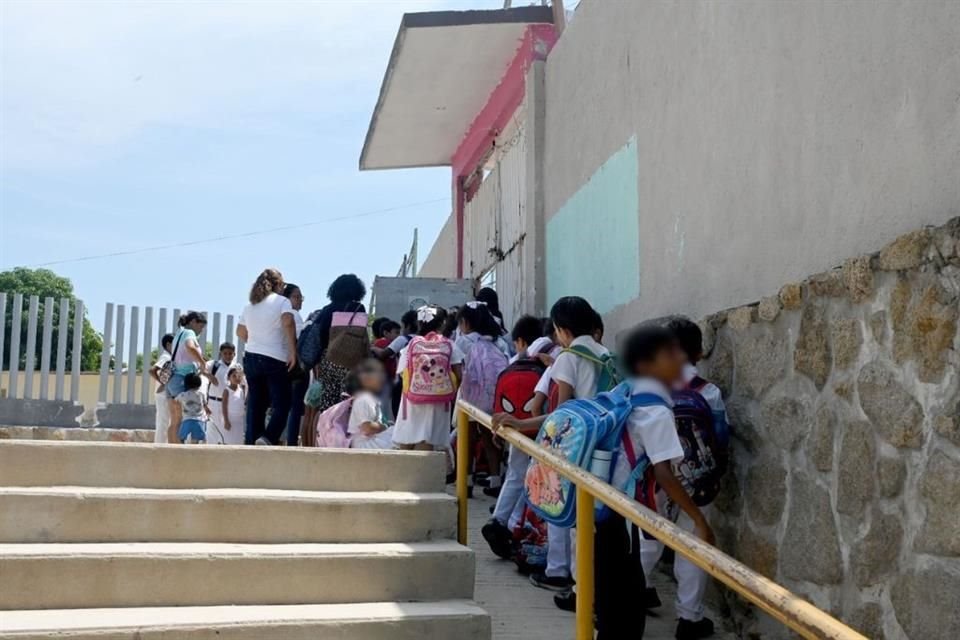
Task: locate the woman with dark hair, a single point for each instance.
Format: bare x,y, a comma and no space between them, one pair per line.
268,328
299,379
345,295
187,359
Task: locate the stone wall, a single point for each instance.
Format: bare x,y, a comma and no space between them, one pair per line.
844,398
90,434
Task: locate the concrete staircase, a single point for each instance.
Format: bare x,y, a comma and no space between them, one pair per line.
121,541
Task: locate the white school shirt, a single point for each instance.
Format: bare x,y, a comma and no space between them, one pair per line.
365,408
652,431
710,392
543,385
578,372
265,327
535,347
215,392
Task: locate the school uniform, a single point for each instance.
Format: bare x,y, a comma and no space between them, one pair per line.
366,408
424,422
691,580
237,412
619,572
581,374
162,403
215,391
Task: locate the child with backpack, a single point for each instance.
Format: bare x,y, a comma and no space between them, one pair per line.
701,480
218,381
430,366
484,360
648,448
584,368
366,427
515,394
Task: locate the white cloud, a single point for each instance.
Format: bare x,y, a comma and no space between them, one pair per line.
80,80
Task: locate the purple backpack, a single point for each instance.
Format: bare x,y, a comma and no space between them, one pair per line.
332,426
481,368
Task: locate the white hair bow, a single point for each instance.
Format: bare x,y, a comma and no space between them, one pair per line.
426,313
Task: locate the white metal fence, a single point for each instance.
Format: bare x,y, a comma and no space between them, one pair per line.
131,338
12,354
135,338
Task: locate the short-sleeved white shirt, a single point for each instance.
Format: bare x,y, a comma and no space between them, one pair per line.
398,344
652,431
365,408
578,372
710,392
265,327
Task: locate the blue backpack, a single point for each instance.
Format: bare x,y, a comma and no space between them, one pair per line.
584,432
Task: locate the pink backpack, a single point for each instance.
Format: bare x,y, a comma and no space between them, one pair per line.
428,376
332,426
482,367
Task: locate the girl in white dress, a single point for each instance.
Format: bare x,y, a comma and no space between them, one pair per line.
366,427
426,426
233,405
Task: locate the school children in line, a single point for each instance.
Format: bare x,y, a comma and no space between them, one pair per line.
484,360
367,428
691,580
518,397
583,367
218,382
160,399
431,366
193,406
233,407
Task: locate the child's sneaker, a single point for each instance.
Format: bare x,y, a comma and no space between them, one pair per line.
499,538
566,601
689,630
651,599
553,583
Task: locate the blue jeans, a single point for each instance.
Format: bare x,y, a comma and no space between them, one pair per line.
268,387
298,391
192,428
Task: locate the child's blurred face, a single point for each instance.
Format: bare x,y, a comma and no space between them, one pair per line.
520,345
227,355
372,380
666,366
392,335
236,377
563,336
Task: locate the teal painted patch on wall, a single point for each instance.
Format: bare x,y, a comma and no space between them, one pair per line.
593,241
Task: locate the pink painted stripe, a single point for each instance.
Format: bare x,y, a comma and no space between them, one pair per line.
538,40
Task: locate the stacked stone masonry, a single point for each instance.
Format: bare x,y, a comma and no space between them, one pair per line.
844,396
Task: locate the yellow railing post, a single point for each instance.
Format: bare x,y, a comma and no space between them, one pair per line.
463,469
585,586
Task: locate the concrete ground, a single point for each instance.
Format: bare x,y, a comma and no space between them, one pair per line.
520,611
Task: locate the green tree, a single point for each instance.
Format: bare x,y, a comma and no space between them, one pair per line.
45,283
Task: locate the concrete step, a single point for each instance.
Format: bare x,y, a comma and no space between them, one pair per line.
364,621
116,514
75,576
152,466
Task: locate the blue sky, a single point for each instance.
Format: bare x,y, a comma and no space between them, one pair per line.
126,125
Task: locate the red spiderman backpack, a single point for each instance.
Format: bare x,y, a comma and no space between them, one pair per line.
516,387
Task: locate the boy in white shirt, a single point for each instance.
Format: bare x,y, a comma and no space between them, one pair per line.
691,579
219,371
655,361
575,373
160,398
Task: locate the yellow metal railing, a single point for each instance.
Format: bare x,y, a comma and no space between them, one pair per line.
781,604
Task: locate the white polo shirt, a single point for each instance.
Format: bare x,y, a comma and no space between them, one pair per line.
265,327
652,431
578,372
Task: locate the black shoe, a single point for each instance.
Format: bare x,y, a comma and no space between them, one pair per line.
452,477
651,600
553,583
470,492
688,630
499,538
492,492
566,601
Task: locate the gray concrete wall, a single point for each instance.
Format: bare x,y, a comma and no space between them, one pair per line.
442,259
774,139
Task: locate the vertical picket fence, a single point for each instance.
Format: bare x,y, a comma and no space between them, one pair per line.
136,336
20,378
33,363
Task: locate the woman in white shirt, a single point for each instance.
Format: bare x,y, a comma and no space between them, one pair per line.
268,327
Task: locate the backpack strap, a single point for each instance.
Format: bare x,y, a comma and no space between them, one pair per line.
643,492
697,383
